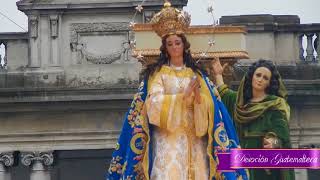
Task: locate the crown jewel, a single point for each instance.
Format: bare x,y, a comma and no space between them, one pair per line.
170,21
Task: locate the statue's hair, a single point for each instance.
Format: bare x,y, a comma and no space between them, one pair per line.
272,89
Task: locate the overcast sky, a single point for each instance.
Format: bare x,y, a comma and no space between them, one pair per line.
307,10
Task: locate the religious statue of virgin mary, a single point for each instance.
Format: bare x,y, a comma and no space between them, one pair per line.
176,124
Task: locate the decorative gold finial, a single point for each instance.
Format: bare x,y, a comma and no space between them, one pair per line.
167,3
170,21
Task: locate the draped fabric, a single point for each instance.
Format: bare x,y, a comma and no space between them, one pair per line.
245,113
145,147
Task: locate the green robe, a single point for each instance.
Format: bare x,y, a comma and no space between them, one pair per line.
251,135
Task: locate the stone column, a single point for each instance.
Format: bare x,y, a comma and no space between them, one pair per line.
39,163
54,28
34,58
301,50
6,160
310,56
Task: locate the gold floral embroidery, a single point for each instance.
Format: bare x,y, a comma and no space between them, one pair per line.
136,107
139,170
115,165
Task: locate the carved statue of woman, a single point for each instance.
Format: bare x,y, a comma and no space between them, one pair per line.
260,112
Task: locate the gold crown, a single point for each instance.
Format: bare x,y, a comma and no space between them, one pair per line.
170,21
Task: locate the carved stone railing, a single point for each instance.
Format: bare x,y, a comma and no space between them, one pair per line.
279,38
13,50
309,42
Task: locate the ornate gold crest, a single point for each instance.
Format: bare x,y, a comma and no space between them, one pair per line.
170,21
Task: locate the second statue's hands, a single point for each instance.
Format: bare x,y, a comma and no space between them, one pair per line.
271,142
193,87
267,143
217,70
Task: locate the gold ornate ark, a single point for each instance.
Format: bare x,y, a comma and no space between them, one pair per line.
229,43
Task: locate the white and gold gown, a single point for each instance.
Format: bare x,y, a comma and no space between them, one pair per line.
179,139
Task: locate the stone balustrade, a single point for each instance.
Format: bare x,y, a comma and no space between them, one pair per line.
13,51
280,38
309,42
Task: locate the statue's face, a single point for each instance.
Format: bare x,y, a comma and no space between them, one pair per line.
174,46
261,79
